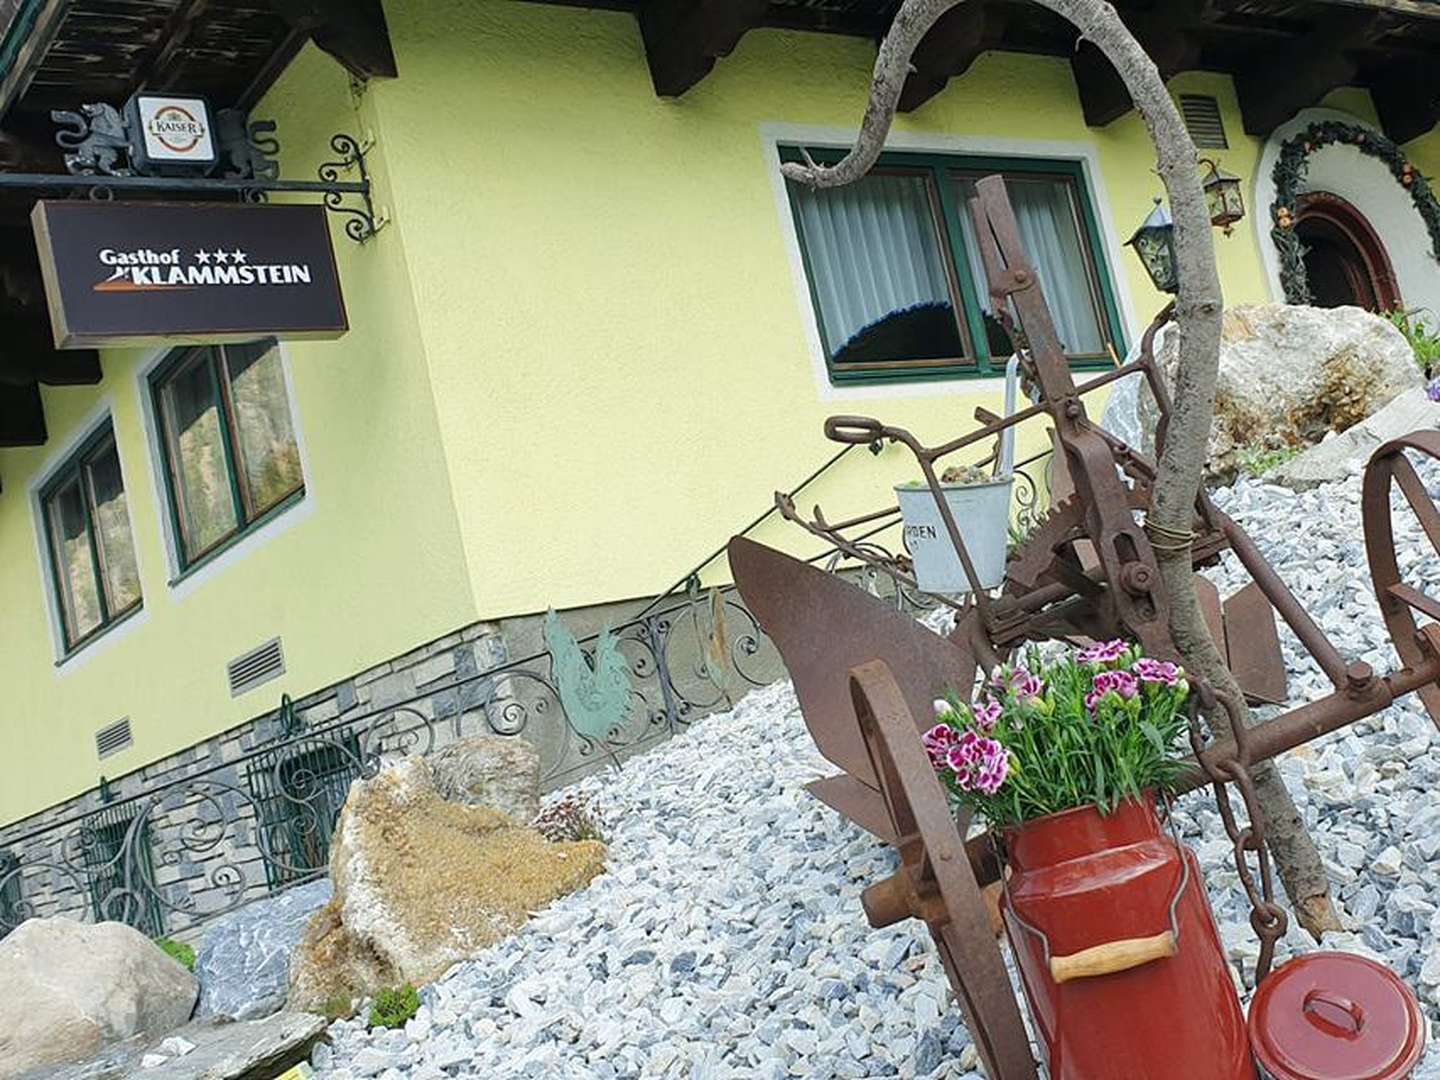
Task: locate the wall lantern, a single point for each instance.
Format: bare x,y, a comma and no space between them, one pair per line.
1223,195
1154,242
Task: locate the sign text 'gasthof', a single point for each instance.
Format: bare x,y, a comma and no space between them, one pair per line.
128,274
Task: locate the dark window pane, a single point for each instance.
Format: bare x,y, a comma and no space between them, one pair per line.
879,272
74,564
191,407
269,455
112,527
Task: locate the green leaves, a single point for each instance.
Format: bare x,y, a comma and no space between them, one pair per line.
1072,741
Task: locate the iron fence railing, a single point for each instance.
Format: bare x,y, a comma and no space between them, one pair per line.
168,858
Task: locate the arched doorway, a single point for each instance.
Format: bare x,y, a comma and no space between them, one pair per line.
1345,262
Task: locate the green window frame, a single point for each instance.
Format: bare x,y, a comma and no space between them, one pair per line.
981,354
215,483
107,556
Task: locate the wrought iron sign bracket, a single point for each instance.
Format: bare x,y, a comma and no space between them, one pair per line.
353,198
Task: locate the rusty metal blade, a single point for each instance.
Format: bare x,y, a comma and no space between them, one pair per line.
1208,597
824,626
859,802
1254,646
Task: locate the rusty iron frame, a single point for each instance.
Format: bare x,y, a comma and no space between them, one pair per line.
1089,570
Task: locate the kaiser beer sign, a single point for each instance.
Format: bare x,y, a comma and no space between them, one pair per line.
128,274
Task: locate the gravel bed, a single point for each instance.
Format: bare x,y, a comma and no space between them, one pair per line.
726,939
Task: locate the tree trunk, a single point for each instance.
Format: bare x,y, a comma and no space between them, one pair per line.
1198,311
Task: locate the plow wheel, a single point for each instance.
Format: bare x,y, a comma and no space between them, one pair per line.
935,882
1398,601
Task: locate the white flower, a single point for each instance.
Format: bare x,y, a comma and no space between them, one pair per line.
941,706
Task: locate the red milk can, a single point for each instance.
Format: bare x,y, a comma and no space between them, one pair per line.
1118,952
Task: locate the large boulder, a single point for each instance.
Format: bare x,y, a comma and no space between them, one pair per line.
1290,374
72,988
244,961
422,883
498,771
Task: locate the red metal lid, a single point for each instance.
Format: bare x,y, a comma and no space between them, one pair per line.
1334,1016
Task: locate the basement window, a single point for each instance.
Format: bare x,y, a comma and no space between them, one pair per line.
232,460
91,548
895,274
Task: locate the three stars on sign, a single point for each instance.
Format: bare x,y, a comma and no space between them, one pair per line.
220,256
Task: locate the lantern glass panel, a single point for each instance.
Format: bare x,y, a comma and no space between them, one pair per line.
1156,248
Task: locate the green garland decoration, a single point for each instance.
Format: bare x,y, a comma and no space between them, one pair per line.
1290,171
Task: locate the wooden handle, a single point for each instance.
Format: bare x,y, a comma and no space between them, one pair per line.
1113,956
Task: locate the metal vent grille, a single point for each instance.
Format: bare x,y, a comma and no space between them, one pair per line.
255,667
112,738
1202,117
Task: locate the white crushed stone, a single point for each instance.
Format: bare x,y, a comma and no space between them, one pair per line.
726,939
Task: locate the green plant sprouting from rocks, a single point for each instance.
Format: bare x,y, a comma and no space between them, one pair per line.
394,1006
1424,338
178,951
1257,460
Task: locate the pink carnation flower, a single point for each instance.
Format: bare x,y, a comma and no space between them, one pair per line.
987,715
1112,682
937,742
1157,671
1019,680
979,764
1103,652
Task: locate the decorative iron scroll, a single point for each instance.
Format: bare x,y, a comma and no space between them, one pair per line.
174,856
1291,169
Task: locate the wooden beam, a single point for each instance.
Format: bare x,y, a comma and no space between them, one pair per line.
1103,95
1415,9
22,416
1274,88
684,38
948,50
352,31
153,72
16,79
1406,97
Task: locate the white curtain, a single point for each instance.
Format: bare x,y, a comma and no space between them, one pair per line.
1044,212
872,250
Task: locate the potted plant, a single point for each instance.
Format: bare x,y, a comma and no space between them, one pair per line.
980,505
1069,760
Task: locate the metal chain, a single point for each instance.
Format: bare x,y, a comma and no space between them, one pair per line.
1267,918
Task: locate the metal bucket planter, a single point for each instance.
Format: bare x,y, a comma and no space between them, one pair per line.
982,513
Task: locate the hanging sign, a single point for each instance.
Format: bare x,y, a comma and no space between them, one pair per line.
126,274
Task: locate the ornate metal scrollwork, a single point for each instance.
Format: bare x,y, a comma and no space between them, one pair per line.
362,223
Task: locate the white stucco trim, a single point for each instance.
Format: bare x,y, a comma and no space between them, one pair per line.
1088,156
179,586
61,456
1366,184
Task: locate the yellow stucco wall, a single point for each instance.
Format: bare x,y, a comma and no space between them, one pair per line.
580,358
617,342
367,569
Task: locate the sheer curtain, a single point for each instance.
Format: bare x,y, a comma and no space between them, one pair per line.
872,250
1046,217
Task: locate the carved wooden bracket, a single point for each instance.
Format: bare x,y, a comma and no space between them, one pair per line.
684,38
948,50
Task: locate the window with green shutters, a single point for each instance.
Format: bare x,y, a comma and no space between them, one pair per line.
91,547
231,455
896,279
